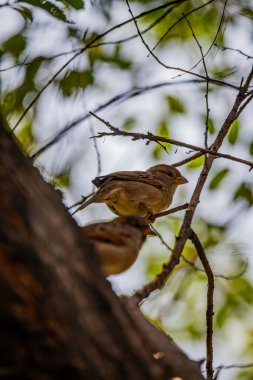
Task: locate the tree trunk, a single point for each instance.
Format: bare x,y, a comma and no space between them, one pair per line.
59,318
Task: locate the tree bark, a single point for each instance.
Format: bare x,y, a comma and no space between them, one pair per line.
59,318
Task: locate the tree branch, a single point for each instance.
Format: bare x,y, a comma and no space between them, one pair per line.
170,211
209,309
150,137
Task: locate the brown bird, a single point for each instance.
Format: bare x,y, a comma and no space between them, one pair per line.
118,242
137,193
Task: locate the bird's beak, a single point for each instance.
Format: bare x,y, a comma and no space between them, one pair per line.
180,180
148,232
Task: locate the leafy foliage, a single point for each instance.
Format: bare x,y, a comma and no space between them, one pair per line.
175,105
74,81
218,178
233,133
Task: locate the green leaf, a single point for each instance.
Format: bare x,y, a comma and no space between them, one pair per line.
175,105
233,132
74,81
244,191
47,6
251,148
26,137
218,178
25,12
211,126
157,152
197,163
194,331
15,45
129,124
62,179
77,4
248,12
163,129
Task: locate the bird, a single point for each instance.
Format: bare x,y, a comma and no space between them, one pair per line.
142,193
118,242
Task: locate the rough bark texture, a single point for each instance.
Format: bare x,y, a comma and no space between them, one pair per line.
59,318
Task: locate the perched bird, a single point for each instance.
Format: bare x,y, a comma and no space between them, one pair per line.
118,242
137,193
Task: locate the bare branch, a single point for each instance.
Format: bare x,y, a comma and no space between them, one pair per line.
234,366
179,20
158,59
216,35
189,159
120,98
209,309
231,277
150,137
39,59
161,238
223,48
170,211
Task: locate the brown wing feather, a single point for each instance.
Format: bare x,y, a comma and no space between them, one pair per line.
137,176
104,233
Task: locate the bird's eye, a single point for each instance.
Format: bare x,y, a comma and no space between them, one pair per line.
170,174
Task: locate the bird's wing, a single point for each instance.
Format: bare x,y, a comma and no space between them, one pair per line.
138,176
104,233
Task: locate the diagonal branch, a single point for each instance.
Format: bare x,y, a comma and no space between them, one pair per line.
150,137
170,211
231,366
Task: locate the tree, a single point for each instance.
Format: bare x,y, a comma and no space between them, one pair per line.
202,107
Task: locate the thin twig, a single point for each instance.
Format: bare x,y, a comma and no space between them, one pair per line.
158,59
209,309
154,23
189,159
120,98
215,37
39,59
178,21
88,45
150,137
161,238
232,366
80,202
151,26
231,277
248,100
170,211
223,48
207,86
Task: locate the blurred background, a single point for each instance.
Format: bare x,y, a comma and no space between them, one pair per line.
117,77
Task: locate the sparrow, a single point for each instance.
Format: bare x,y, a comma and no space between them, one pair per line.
137,192
118,242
